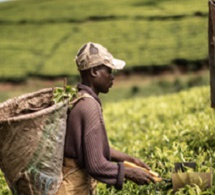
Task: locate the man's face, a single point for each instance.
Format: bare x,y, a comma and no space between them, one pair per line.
104,79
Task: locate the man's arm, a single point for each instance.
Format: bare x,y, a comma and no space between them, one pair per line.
119,156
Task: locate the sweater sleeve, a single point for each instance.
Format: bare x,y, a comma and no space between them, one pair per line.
96,148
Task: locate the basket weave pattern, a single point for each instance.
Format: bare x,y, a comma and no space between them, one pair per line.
32,132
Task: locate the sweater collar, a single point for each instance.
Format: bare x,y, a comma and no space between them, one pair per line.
85,88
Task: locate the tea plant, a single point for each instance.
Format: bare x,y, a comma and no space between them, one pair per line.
4,190
161,131
63,93
45,43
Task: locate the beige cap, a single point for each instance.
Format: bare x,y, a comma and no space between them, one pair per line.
94,54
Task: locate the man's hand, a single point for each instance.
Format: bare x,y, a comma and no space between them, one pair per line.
138,176
121,157
152,173
140,163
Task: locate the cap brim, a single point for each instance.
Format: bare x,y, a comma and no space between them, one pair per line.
118,64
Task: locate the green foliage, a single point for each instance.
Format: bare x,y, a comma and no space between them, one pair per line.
42,37
162,130
63,93
4,190
41,10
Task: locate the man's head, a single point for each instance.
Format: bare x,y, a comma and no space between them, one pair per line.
95,65
93,54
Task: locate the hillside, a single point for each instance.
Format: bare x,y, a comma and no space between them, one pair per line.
41,37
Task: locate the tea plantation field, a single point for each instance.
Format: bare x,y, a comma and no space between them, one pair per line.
41,37
164,130
161,130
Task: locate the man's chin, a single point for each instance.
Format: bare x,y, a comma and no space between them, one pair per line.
106,91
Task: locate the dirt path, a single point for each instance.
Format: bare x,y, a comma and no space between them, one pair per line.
8,90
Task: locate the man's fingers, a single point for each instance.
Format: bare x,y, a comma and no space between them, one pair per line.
152,179
148,180
145,166
142,164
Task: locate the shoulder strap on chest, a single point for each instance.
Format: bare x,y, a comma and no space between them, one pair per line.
80,96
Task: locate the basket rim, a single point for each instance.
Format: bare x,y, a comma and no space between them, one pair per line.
36,114
31,94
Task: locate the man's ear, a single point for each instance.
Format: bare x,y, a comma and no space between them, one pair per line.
93,72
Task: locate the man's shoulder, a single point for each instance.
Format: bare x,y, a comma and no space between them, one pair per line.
85,101
86,107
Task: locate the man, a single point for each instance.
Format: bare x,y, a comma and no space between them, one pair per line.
88,156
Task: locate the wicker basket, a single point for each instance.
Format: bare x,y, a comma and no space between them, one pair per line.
32,132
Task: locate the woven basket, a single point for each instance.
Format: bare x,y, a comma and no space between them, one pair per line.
32,132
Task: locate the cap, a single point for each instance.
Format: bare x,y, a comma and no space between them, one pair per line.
94,54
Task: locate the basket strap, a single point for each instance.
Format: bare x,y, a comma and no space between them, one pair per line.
83,95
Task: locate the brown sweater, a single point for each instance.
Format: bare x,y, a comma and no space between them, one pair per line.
87,142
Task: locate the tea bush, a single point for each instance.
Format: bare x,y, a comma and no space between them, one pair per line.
161,130
41,38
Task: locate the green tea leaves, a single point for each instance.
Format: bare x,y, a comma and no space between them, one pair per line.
66,92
